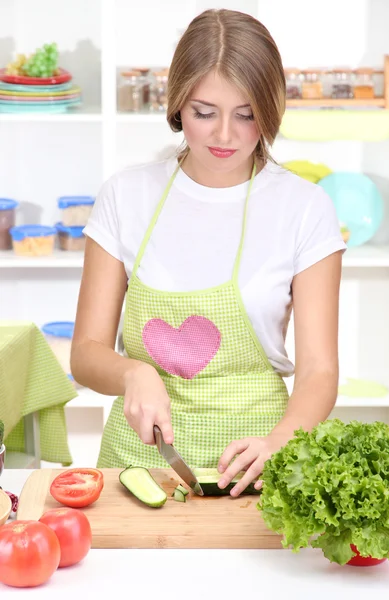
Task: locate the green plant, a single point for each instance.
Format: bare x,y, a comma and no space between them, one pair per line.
329,489
1,433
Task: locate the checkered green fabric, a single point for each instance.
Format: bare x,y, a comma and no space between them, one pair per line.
238,394
32,380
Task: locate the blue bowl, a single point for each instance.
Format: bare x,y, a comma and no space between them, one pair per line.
358,203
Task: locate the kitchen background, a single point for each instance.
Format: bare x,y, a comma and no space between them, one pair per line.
46,155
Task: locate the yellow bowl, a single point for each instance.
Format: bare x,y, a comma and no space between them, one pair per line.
5,507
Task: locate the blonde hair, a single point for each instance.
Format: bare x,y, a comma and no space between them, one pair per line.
240,49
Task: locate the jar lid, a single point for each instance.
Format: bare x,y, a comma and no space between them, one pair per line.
66,201
62,329
8,204
142,70
342,70
364,71
130,73
292,71
73,231
20,232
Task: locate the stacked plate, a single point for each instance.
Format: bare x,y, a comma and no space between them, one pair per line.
22,94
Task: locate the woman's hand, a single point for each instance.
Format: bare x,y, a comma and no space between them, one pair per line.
146,403
253,453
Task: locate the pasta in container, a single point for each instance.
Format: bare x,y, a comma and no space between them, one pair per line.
33,240
75,210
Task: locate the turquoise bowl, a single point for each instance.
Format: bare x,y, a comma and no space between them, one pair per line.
358,203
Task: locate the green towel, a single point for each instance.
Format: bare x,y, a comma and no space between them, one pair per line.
32,380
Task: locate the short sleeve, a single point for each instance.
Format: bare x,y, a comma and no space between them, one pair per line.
319,234
103,223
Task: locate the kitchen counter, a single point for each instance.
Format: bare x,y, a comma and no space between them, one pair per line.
164,574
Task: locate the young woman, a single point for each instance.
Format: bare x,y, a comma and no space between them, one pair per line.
210,250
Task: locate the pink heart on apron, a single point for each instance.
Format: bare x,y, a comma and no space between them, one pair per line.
185,351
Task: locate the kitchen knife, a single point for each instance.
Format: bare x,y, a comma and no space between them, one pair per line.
172,457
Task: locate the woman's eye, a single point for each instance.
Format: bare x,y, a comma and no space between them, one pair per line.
246,117
199,115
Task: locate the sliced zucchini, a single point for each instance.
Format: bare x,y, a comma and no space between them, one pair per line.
178,495
208,479
140,482
182,489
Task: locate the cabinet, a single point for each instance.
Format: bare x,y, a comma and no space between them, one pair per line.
46,156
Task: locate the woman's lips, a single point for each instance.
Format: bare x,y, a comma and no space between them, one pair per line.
221,152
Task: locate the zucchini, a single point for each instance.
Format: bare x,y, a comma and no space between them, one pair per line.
182,489
208,479
140,482
178,495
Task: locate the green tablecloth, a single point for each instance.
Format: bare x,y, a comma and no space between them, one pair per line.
32,380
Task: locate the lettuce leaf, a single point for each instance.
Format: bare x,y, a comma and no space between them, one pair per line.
330,488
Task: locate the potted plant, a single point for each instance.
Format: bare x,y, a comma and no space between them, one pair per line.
329,489
2,447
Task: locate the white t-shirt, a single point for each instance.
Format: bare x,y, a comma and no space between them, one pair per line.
291,224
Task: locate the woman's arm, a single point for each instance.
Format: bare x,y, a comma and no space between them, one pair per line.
315,294
94,362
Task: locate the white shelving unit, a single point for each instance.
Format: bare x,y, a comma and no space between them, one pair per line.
45,156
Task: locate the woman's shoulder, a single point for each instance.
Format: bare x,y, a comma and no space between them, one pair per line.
134,177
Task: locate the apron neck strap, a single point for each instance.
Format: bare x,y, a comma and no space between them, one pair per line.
238,258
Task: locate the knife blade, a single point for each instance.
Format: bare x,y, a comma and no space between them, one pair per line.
176,461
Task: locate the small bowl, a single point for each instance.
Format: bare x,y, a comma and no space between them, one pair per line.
5,507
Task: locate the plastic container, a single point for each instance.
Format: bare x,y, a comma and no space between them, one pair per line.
33,240
7,221
76,210
70,238
59,336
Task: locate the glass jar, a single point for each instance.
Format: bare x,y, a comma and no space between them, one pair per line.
293,83
363,84
312,85
130,92
379,83
144,79
158,91
341,84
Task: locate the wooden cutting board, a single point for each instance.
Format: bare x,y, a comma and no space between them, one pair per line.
119,520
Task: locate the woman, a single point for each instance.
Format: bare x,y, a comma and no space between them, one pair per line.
213,245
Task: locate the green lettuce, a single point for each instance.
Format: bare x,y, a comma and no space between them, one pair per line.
329,489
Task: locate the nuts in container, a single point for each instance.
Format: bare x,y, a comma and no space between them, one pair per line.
33,240
70,238
76,210
7,221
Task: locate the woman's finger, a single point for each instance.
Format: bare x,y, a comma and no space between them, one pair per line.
236,447
146,431
252,473
165,425
239,464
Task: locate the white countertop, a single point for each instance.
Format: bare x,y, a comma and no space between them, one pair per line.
165,574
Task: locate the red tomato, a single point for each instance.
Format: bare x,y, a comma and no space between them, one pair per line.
363,561
73,531
77,487
29,553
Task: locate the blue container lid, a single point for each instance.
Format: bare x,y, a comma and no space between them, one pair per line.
62,329
8,204
66,201
22,231
74,232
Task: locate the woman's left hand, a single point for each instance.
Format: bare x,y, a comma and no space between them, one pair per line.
253,453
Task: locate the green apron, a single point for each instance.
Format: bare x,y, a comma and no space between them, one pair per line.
219,380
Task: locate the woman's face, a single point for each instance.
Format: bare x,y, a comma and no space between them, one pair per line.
218,125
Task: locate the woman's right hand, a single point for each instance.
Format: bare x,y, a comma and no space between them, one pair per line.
146,403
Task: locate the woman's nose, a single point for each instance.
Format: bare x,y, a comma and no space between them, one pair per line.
224,131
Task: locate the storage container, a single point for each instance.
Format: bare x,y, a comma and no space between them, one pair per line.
341,84
363,83
293,84
33,240
59,336
312,85
130,94
75,210
158,91
7,221
70,238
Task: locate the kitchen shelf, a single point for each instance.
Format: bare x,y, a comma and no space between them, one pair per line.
59,259
359,257
81,115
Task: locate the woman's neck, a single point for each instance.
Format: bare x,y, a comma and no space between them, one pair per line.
209,178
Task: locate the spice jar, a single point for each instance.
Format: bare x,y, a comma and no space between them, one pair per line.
158,91
363,83
144,80
293,83
379,83
130,92
341,84
312,86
